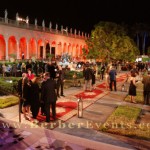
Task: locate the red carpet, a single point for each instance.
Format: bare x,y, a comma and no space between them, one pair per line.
88,94
62,108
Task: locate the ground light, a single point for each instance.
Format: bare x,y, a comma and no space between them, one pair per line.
80,107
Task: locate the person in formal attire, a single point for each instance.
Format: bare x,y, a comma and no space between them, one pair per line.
146,88
60,81
23,68
49,96
112,77
52,70
30,75
24,92
87,74
22,55
44,78
102,72
29,65
132,87
35,101
93,77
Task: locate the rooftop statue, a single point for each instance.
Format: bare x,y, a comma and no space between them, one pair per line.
6,13
35,22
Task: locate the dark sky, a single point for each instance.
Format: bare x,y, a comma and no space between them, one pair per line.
79,14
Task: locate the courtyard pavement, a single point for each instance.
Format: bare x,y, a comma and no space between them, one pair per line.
75,133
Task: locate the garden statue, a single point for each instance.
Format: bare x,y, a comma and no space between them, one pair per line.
56,26
17,16
75,31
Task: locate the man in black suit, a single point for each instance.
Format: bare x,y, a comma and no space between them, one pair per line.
60,81
49,96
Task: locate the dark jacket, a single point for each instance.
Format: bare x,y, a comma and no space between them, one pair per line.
23,91
112,74
146,82
48,93
87,73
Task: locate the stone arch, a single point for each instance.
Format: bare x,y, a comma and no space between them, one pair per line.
47,48
53,48
40,49
2,48
12,47
32,48
23,47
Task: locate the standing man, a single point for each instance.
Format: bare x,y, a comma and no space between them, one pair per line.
87,74
146,90
22,55
25,95
112,76
60,81
102,72
48,95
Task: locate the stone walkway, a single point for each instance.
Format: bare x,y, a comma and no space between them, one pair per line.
81,133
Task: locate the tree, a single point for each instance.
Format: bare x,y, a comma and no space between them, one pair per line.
110,41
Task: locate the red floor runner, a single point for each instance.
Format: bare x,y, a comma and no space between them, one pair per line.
62,108
88,94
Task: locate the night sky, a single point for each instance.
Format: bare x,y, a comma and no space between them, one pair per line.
78,14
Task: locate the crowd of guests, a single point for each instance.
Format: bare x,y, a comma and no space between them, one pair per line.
143,74
106,72
139,71
39,93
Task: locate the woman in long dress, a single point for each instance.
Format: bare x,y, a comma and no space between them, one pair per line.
132,87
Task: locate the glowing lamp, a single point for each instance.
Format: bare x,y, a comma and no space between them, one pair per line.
80,107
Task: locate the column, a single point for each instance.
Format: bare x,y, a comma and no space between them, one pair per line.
18,49
36,49
27,56
6,41
44,52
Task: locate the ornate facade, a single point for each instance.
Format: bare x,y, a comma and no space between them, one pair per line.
18,37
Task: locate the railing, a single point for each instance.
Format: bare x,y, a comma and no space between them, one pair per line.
24,25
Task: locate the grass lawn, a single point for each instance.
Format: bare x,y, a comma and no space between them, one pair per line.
6,101
123,122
